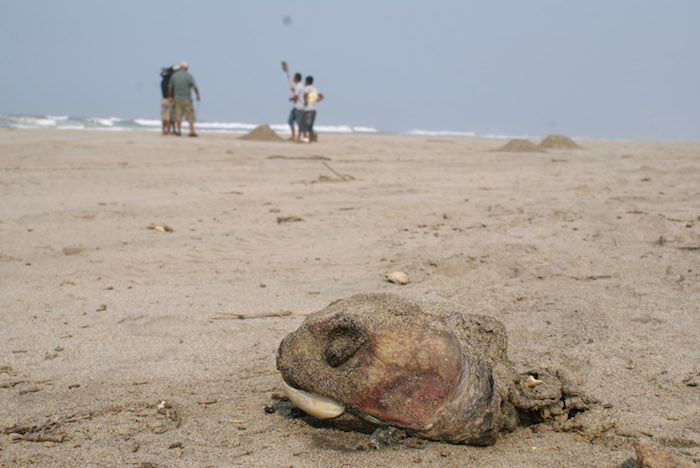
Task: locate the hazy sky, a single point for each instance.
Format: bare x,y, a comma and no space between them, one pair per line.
625,69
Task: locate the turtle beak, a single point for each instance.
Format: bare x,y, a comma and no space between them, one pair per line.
318,406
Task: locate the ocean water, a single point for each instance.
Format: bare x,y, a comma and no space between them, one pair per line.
65,122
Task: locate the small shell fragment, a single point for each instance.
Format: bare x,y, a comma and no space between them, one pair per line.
397,277
160,227
532,382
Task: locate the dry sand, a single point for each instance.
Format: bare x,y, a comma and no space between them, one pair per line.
589,257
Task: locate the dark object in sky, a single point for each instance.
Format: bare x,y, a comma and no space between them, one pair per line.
287,20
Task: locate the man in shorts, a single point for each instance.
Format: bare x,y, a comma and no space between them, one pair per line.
179,90
298,109
311,98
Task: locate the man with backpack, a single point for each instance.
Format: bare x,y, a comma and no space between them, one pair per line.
167,114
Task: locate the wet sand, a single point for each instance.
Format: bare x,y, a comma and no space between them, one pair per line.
590,257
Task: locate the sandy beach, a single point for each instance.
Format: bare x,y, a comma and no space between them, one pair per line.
120,344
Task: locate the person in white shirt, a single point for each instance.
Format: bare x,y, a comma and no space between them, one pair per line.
311,98
298,109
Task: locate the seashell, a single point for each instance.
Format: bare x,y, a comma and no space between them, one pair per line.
160,227
397,277
532,382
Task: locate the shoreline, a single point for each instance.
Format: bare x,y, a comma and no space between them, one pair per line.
239,129
436,135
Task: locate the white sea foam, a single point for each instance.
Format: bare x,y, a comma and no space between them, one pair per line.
148,122
364,129
225,125
40,122
284,128
99,121
67,122
417,132
109,129
498,136
332,129
72,127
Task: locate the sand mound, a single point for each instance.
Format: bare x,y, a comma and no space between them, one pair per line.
518,145
262,133
558,142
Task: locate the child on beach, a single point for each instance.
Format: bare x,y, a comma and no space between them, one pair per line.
311,98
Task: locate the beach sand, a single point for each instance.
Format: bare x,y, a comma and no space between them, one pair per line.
590,257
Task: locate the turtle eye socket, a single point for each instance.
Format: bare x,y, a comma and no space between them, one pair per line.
344,342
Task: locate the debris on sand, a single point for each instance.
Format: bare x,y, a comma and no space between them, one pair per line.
288,219
558,142
341,177
160,227
316,157
166,418
71,250
397,277
261,133
281,313
652,455
47,432
519,145
693,380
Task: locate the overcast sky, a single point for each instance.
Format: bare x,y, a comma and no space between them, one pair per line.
627,69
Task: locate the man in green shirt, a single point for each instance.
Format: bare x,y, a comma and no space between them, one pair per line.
179,89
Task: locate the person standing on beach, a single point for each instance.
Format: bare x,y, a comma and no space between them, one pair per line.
298,109
166,107
311,98
179,89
